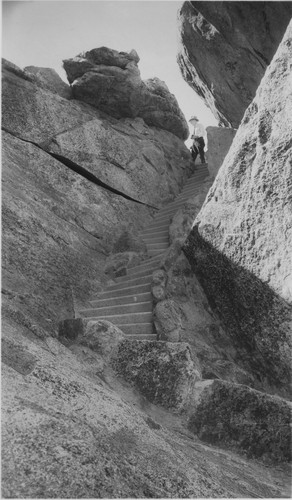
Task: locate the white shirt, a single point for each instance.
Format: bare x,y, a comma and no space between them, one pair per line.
199,130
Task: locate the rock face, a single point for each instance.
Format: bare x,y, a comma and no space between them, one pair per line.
226,48
219,142
68,228
49,79
87,413
110,81
240,247
182,312
70,436
223,411
164,372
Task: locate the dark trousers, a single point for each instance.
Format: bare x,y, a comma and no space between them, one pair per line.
198,148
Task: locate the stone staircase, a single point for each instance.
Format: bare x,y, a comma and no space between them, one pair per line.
128,303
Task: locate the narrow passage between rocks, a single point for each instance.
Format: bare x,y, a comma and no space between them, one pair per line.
128,303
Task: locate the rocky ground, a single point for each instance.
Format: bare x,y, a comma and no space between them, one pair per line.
72,431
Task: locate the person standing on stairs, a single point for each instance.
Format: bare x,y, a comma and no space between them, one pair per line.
199,135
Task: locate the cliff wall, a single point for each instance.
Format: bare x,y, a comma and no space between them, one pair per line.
240,246
75,180
226,48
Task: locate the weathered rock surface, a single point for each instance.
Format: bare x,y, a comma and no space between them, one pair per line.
68,229
164,372
93,341
226,48
168,320
145,163
58,230
69,436
219,142
50,80
182,314
110,81
238,417
240,247
182,222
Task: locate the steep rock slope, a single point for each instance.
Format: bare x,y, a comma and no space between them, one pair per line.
240,246
75,181
50,79
110,80
69,432
226,48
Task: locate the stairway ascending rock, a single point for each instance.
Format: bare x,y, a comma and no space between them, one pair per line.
128,303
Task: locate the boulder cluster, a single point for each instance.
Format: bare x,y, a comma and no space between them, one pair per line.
110,81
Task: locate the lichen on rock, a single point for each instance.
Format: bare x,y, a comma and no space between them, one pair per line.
241,418
163,372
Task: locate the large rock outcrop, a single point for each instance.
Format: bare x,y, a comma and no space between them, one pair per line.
240,246
70,433
110,81
238,417
49,79
219,142
182,312
226,48
164,372
77,184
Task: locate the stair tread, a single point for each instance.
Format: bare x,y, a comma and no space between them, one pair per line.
138,304
121,300
130,280
129,298
134,324
145,287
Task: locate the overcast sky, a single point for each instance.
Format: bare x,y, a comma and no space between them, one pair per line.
42,33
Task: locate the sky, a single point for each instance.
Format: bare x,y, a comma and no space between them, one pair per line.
43,33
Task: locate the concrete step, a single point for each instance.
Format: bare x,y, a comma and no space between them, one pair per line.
156,239
157,227
117,310
130,281
121,319
187,191
153,253
164,219
198,172
125,299
160,220
180,201
157,246
194,183
149,231
192,191
141,336
127,290
196,179
156,236
172,210
138,274
133,271
136,329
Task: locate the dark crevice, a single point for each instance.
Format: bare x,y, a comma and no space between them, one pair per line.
82,171
263,58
